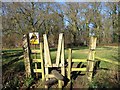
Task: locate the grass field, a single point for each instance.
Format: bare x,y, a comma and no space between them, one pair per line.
12,63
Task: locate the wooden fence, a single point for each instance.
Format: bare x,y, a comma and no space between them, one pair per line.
45,61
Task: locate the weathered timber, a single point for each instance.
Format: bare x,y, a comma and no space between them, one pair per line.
46,51
61,83
26,48
35,56
91,58
50,76
92,43
69,63
78,69
78,60
42,60
36,60
57,75
59,49
47,58
37,70
35,51
107,60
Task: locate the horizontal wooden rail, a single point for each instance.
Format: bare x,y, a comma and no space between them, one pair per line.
107,60
35,51
37,60
78,60
37,70
78,69
49,76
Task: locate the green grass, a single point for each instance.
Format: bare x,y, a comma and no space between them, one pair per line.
78,52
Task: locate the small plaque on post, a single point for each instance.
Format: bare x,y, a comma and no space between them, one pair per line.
34,38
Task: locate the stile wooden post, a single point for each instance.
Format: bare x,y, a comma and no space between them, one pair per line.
69,64
42,61
26,47
59,48
91,58
35,56
60,55
46,57
61,83
46,51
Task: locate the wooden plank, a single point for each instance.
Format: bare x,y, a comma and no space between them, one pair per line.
60,84
49,76
59,49
35,51
36,60
57,75
78,60
69,63
69,67
90,65
78,69
35,56
42,62
26,48
62,62
37,70
47,58
46,51
46,73
107,60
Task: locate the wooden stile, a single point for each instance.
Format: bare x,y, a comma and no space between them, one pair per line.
46,63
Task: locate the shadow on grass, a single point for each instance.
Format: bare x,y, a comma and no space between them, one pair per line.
116,58
12,50
5,66
13,55
75,74
80,47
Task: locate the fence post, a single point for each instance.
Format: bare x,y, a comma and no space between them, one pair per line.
59,48
91,58
69,64
46,57
42,60
61,83
26,48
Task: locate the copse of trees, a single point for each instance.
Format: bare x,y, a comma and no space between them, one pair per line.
77,21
